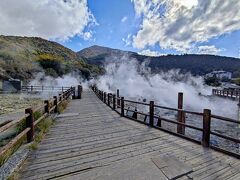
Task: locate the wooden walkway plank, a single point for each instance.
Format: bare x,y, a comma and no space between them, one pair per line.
90,141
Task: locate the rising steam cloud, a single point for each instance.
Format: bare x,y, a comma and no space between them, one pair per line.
135,81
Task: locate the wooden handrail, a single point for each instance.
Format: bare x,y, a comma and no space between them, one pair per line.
12,123
48,106
206,115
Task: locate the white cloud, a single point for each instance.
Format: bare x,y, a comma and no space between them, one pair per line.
148,52
50,19
87,35
127,40
209,50
125,18
180,24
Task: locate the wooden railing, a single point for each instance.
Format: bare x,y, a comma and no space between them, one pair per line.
43,88
50,106
228,93
119,104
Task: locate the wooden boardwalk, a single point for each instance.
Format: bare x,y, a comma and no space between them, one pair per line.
90,141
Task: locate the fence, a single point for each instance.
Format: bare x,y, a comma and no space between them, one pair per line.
118,104
50,106
43,88
228,93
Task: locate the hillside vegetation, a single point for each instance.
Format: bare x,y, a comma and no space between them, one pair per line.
197,64
22,57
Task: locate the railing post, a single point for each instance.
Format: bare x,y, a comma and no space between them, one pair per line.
74,93
122,106
79,92
55,104
108,99
118,100
181,115
135,114
63,95
151,113
60,97
206,127
214,91
47,106
29,124
159,123
114,101
104,97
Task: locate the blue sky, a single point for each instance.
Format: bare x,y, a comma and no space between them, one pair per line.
111,30
156,27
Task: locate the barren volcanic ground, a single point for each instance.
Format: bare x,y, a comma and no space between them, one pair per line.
13,105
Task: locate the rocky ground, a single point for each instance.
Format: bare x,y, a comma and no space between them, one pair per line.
14,104
12,107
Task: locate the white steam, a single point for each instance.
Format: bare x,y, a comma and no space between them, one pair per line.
52,86
136,82
65,81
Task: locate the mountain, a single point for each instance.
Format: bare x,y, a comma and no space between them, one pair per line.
22,57
99,54
197,64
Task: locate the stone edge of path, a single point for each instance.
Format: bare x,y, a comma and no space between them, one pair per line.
14,162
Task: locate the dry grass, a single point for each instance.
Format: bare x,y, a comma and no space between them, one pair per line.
62,106
41,129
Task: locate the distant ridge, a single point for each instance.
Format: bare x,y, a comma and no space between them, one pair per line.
197,64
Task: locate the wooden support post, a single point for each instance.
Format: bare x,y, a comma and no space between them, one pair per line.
79,92
118,100
145,118
47,106
31,88
108,99
135,114
60,97
55,104
114,101
159,123
74,93
151,113
180,115
29,124
104,97
122,106
206,127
